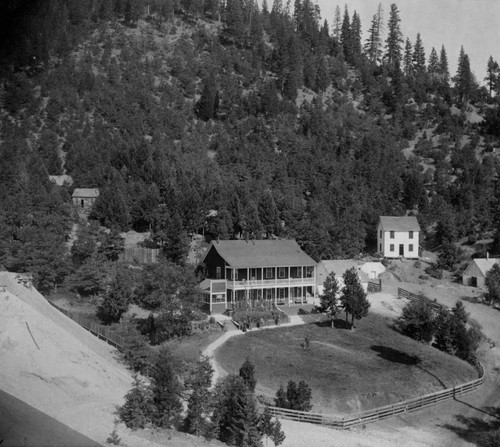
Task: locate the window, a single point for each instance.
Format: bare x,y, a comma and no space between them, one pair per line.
380,234
218,298
235,274
218,272
392,234
299,272
309,272
253,274
281,272
410,247
391,247
269,273
411,236
380,248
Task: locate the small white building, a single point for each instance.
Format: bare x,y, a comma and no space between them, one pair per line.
339,267
398,237
475,273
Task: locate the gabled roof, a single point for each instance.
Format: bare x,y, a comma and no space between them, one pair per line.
404,223
482,264
340,266
85,192
261,253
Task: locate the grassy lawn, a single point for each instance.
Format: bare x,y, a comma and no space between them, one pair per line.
348,371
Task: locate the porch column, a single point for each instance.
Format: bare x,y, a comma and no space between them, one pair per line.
289,296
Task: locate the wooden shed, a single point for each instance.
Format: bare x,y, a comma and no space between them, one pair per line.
475,273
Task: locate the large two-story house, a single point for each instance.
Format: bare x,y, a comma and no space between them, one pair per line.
267,271
398,237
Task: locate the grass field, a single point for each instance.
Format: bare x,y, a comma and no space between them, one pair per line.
348,371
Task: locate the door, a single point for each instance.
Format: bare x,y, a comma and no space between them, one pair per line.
401,250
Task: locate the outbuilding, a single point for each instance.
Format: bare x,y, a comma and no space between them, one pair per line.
475,273
84,197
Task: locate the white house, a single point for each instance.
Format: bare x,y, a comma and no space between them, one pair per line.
398,237
475,273
339,267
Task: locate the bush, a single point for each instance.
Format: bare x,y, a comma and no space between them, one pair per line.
303,312
417,320
434,271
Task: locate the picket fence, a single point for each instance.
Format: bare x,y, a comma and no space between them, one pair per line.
140,255
385,412
98,330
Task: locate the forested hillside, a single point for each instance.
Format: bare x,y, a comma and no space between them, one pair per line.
236,121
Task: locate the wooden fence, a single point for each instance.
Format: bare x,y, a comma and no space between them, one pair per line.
98,330
402,293
385,412
140,255
375,285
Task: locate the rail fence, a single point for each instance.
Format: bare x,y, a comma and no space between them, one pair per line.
384,412
375,285
94,328
402,293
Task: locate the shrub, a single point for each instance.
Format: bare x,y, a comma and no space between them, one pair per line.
417,320
434,271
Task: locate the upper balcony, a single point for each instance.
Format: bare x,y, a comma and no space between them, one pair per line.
252,283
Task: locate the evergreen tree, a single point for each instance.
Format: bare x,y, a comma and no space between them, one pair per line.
417,320
433,64
235,413
353,297
206,107
268,214
199,403
280,400
373,45
394,37
408,59
111,245
443,65
337,24
492,75
464,79
345,36
419,56
492,283
271,427
91,277
328,298
166,392
138,409
247,373
356,37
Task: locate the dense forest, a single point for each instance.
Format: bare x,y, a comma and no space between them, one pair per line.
234,120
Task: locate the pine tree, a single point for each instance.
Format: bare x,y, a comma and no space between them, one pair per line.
271,427
464,79
394,37
443,66
247,373
166,392
337,24
492,74
433,65
373,45
408,59
328,298
199,406
138,409
419,56
345,35
356,37
280,400
353,297
207,105
235,413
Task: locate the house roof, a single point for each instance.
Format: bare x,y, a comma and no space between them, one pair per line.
85,192
480,265
261,253
339,266
404,223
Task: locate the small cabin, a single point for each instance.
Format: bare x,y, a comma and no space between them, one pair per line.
475,273
84,198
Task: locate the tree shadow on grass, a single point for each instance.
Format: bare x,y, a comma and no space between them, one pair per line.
393,355
337,323
481,432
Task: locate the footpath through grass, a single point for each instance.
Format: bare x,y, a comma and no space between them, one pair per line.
348,371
